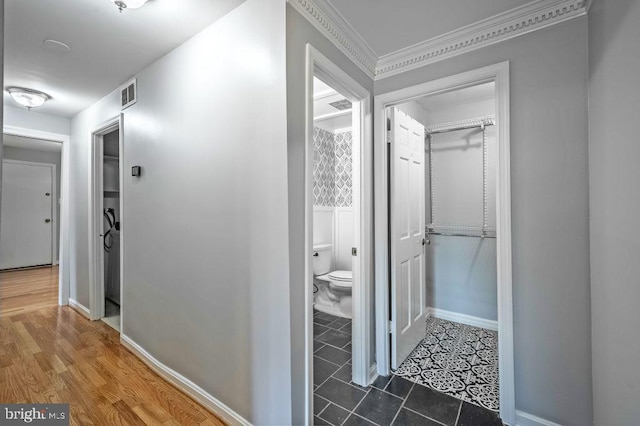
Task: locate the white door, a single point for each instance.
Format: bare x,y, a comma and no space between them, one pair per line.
408,284
26,224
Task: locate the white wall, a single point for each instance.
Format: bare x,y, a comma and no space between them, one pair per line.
550,219
21,117
614,103
461,271
205,234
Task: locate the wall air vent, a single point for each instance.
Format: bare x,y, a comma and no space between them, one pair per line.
128,94
341,105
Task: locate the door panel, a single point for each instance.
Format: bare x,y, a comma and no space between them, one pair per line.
25,235
408,285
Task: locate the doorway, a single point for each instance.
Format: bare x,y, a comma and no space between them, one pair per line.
442,224
106,225
42,158
338,302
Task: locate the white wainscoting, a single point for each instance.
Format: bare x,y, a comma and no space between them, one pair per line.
344,238
323,220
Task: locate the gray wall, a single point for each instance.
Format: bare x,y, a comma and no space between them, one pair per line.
205,234
549,160
22,154
299,33
614,103
21,117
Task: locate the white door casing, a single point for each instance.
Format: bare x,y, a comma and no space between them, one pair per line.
408,284
27,214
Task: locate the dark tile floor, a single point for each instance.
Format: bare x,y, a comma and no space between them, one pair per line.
388,401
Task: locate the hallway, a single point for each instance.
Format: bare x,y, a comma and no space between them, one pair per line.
53,354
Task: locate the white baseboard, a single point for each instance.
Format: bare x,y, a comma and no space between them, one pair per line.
462,318
526,419
81,309
185,385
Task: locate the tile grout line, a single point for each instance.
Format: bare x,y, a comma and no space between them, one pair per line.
403,401
458,416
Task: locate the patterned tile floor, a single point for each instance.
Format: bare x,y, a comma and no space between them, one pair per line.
388,401
457,359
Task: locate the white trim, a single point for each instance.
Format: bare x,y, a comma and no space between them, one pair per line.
54,203
500,74
185,385
332,115
322,15
320,66
526,419
80,308
64,255
462,318
373,373
96,199
533,16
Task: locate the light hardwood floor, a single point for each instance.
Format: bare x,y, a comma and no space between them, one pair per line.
53,354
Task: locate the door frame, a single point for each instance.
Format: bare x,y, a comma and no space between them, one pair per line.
364,370
64,254
54,195
499,73
96,196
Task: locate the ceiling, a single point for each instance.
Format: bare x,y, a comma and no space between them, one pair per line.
325,115
388,26
29,143
107,47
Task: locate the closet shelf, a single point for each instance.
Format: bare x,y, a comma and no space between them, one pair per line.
110,158
111,194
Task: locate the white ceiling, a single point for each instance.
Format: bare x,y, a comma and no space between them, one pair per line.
388,26
108,47
326,116
28,143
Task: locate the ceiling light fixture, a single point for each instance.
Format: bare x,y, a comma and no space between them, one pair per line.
28,98
128,4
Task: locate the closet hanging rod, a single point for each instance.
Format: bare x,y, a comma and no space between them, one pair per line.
459,128
453,234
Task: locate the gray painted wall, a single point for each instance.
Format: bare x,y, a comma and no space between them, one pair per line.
614,103
22,154
299,33
21,117
205,234
549,160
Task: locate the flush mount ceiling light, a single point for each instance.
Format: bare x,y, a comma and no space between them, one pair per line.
28,98
128,4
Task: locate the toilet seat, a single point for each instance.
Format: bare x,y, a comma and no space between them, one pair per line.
341,279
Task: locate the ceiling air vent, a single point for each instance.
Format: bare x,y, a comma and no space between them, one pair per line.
128,94
341,105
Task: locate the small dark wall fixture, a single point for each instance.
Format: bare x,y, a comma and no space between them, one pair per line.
136,171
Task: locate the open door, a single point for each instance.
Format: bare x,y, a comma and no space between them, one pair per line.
408,284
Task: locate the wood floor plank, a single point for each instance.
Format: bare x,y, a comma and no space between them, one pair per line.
52,354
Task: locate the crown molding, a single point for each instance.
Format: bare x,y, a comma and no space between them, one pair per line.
332,25
530,17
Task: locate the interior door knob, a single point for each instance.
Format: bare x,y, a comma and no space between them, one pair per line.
47,220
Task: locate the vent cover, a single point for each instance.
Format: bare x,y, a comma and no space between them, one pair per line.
341,105
128,94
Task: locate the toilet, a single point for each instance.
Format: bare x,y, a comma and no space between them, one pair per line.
332,289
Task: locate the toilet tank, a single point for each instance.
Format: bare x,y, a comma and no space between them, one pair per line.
321,259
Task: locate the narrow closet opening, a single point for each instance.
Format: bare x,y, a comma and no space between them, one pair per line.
443,184
111,227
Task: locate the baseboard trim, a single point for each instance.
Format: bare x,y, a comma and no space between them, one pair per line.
526,419
79,308
462,318
185,385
